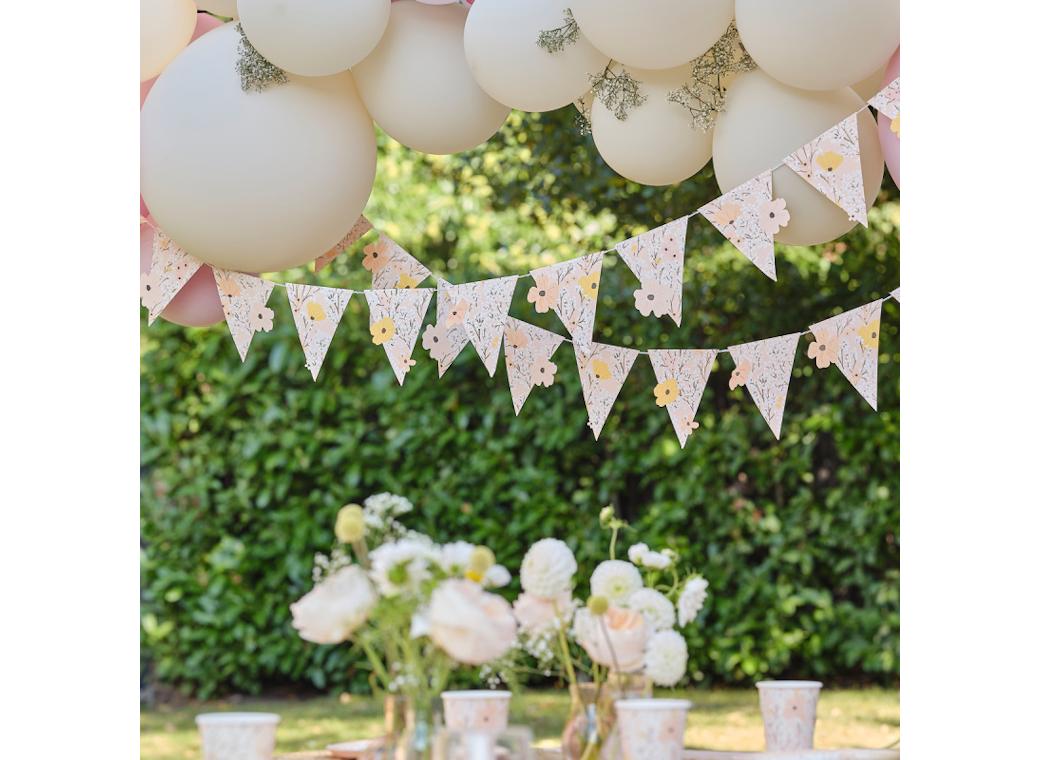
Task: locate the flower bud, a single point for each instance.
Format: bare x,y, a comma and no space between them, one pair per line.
598,605
481,561
606,515
350,524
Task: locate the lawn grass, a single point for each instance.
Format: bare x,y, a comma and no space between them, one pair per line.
725,719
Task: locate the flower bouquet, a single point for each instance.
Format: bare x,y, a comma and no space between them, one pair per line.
617,644
416,608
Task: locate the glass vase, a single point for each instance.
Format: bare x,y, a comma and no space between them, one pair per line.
590,732
417,740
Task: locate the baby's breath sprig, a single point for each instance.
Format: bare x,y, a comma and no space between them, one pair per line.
255,72
618,91
583,119
704,96
555,40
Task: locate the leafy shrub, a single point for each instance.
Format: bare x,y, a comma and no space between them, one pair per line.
244,465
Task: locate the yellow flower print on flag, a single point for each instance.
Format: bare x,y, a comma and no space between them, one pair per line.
382,331
667,392
395,316
870,333
314,312
850,342
601,369
681,375
829,161
407,281
589,284
893,126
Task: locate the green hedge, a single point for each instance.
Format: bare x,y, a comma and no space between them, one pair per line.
244,465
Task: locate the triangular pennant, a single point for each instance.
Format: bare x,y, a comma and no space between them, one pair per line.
244,298
317,312
571,289
887,101
602,370
764,368
749,217
681,377
392,266
528,353
474,312
171,269
656,259
850,341
361,226
394,319
831,164
895,295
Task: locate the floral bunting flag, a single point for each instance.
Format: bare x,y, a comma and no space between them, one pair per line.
764,368
361,226
850,341
887,101
681,377
171,269
602,370
392,266
571,289
317,312
831,164
475,312
244,298
749,217
394,319
895,295
656,259
529,351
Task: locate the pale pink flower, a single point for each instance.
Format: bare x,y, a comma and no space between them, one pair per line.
473,626
774,215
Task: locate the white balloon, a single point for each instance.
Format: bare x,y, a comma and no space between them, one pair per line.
225,8
418,87
657,143
314,38
763,122
502,52
166,27
653,34
819,45
253,181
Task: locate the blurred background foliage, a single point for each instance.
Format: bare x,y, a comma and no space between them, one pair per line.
244,465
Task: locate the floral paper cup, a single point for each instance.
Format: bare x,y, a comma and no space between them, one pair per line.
652,729
476,710
237,736
789,713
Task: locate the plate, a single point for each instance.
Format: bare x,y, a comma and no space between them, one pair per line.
362,749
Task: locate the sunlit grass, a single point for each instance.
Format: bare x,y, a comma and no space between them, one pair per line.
719,720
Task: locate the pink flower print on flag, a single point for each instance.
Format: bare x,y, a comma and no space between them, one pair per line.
244,299
473,312
764,370
656,259
361,226
575,285
852,339
831,164
528,353
395,317
171,269
749,216
392,266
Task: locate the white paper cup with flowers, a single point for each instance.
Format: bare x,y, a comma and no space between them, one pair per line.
477,710
652,729
789,713
237,735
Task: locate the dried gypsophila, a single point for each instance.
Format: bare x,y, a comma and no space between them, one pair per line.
618,92
555,40
705,97
583,119
255,72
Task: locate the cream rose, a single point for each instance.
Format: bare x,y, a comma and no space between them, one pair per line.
334,609
627,632
536,614
471,625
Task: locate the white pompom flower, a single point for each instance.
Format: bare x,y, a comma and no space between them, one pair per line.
636,552
548,568
616,580
692,599
666,658
657,561
654,607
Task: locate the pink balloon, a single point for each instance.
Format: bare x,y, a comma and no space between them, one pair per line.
197,304
889,139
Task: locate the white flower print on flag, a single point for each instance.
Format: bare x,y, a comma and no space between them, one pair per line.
831,164
656,259
681,377
602,370
244,298
317,312
749,217
764,368
887,100
392,266
394,319
361,226
571,289
850,341
529,351
172,267
475,312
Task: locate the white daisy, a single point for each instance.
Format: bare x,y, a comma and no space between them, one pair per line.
401,566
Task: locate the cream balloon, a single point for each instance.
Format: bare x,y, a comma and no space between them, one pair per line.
225,8
869,86
653,34
819,45
511,68
418,87
763,122
166,27
657,144
314,38
253,181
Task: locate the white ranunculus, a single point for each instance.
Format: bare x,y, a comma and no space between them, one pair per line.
654,607
616,580
548,568
692,599
334,608
496,577
656,561
454,558
473,626
666,658
636,552
616,639
400,567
